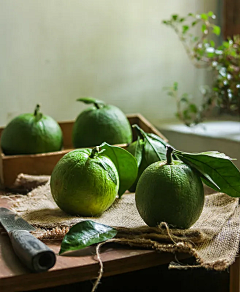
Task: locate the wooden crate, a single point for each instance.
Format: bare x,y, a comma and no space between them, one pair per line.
43,164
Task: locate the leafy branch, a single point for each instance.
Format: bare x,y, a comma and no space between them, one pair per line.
198,48
223,60
187,111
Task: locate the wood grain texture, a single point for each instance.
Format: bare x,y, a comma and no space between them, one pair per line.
235,276
231,19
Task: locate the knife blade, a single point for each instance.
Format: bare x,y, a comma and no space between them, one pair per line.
32,252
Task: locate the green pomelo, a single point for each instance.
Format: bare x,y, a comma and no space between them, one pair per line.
171,193
81,183
101,123
31,134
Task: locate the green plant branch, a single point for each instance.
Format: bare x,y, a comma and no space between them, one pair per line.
224,61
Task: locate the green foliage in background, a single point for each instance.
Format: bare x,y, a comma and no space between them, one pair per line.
223,60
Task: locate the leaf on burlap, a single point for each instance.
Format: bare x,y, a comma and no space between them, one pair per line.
84,234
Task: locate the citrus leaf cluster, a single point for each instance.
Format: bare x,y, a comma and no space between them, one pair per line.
147,149
215,169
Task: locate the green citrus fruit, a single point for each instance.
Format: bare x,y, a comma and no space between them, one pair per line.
84,182
170,192
31,134
100,123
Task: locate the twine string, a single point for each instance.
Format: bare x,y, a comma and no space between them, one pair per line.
164,224
100,273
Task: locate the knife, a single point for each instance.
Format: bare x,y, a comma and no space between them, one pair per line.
32,252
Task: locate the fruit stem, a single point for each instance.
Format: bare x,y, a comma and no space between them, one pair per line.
169,154
138,130
36,111
37,114
97,105
94,152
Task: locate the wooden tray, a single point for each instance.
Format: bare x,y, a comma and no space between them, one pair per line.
42,164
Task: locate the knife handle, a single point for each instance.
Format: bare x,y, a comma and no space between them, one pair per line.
32,252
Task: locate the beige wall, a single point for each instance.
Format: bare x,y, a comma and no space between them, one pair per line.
55,51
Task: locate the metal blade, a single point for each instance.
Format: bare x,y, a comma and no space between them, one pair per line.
11,221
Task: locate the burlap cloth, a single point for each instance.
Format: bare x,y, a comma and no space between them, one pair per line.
213,240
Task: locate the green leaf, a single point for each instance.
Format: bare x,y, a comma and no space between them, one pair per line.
175,17
175,86
204,27
125,163
147,140
193,108
184,98
217,170
157,138
185,28
226,44
84,234
159,146
139,150
216,30
204,16
154,147
209,182
210,55
108,168
90,100
195,39
210,13
194,23
212,43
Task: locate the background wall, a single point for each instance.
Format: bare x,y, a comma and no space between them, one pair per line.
55,51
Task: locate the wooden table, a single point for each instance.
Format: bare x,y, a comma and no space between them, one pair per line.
82,265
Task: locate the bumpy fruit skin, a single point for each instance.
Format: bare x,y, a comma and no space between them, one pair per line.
28,134
81,186
171,193
107,124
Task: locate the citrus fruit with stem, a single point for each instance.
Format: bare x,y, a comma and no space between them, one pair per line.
31,133
84,182
170,191
100,123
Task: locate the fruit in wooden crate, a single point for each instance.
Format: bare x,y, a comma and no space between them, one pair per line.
31,133
100,123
